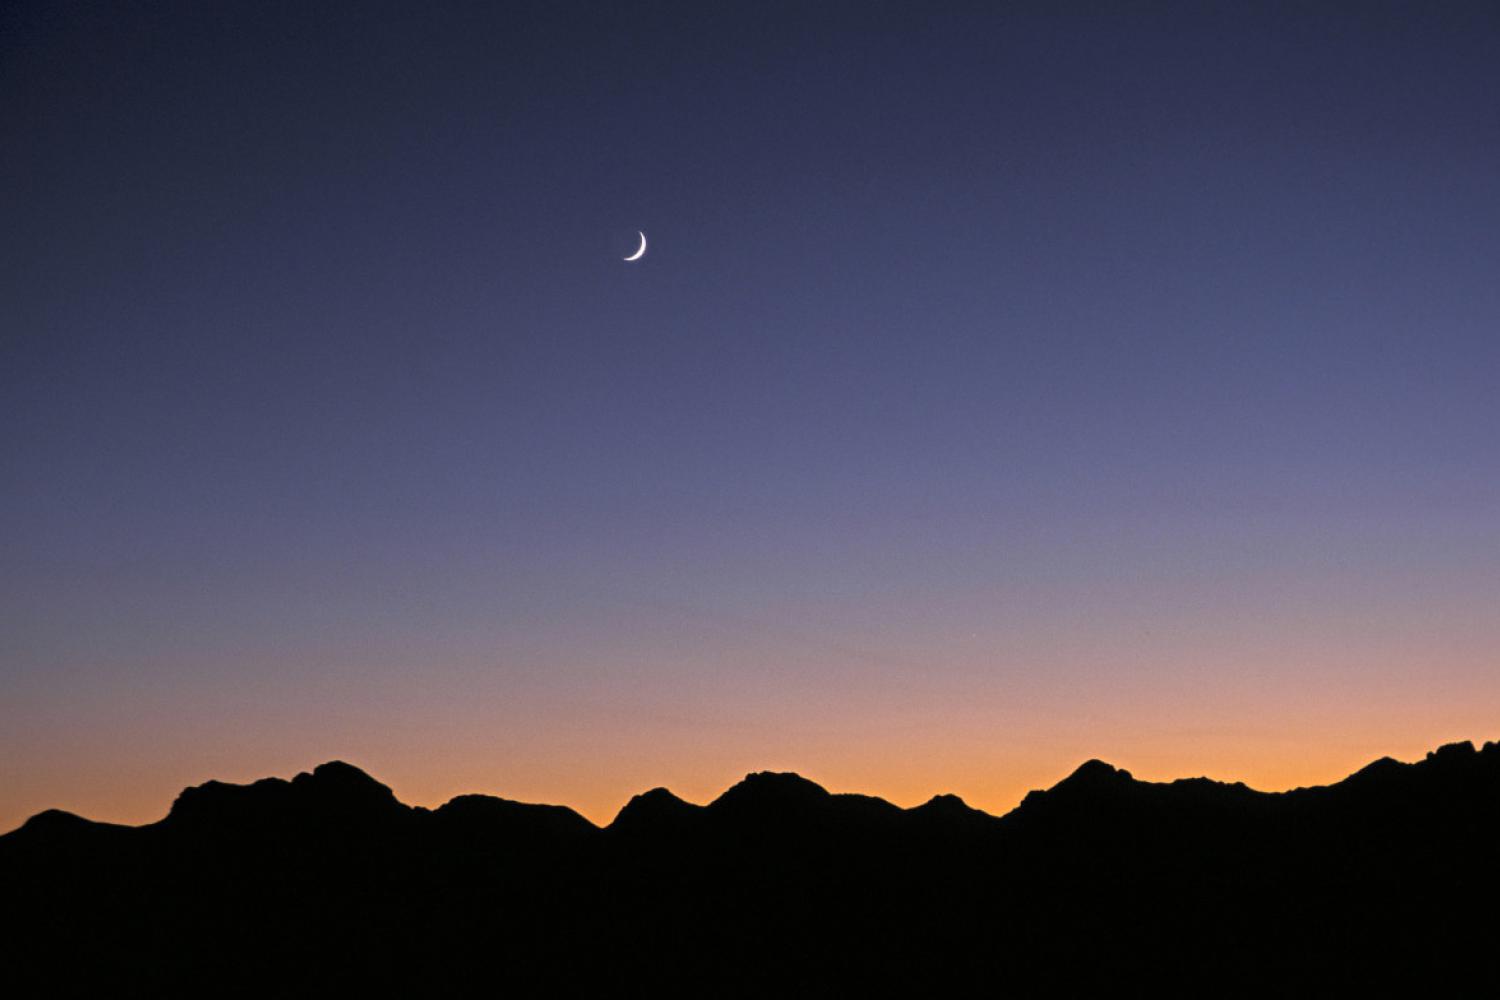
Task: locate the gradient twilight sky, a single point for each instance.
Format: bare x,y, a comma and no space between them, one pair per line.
1006,384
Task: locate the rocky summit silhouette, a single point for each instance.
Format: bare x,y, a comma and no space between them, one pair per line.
1383,882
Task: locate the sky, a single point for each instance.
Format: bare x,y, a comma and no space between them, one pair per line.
1005,385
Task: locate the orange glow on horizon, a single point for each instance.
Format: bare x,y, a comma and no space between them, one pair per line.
139,787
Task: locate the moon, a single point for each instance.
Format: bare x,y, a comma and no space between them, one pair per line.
642,251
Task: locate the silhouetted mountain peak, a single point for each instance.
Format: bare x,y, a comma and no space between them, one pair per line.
946,802
344,783
335,789
1452,753
1377,770
219,802
654,811
772,790
659,797
1093,780
1096,774
948,810
55,819
58,827
488,815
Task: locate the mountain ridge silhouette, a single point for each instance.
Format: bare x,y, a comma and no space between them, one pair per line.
777,884
348,779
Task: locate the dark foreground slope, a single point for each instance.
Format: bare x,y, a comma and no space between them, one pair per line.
1384,881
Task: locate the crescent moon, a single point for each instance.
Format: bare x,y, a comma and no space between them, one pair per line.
642,251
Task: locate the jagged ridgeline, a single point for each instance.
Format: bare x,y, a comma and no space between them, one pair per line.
1382,881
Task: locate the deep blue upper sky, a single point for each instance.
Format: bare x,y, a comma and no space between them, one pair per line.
315,337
